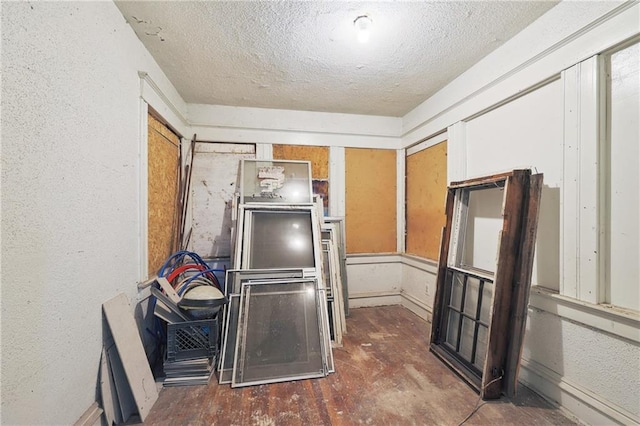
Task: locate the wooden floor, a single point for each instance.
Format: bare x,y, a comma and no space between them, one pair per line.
385,375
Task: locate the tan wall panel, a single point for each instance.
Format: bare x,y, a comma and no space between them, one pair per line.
371,212
163,157
425,195
318,155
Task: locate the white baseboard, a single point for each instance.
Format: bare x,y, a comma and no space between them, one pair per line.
417,306
380,298
572,397
91,416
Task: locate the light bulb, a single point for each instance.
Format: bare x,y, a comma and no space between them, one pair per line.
363,27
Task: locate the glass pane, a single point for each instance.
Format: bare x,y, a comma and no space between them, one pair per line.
485,309
481,348
456,290
483,226
229,341
276,182
471,297
281,239
326,269
466,338
280,334
452,328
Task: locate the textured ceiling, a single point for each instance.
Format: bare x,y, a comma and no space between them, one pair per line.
304,55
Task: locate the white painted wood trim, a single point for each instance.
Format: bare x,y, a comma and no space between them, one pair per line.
373,294
288,137
91,416
247,118
362,300
420,263
581,222
611,320
337,181
591,287
172,111
457,152
417,306
373,259
264,151
143,194
441,137
570,183
400,200
434,115
578,400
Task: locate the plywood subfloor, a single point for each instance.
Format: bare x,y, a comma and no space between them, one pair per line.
385,376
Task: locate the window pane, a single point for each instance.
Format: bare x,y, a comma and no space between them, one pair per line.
452,328
281,240
624,134
484,223
481,349
466,338
456,290
471,298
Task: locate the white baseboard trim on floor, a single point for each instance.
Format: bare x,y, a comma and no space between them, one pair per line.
91,416
576,399
379,298
417,306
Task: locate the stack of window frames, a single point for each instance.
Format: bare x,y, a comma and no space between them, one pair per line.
338,236
276,323
481,301
333,276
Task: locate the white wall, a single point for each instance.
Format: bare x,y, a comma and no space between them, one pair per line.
71,197
533,103
73,205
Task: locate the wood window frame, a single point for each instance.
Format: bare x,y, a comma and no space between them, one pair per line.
511,280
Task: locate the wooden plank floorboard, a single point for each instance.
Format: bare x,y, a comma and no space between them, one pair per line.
385,375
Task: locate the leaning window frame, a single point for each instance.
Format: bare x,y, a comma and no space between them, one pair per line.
511,280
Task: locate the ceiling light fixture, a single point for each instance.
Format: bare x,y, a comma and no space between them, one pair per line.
363,27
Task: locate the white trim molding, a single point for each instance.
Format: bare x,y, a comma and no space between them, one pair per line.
582,198
337,204
250,125
143,193
427,143
500,75
173,112
400,199
578,400
417,306
611,320
457,152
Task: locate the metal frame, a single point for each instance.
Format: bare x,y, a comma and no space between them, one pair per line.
342,257
334,283
243,232
233,294
243,171
239,358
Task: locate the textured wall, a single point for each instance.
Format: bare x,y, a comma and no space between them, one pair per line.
70,200
607,365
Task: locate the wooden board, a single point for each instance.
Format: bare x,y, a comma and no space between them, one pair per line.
131,353
426,187
522,287
370,198
215,179
163,171
317,155
125,400
108,395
